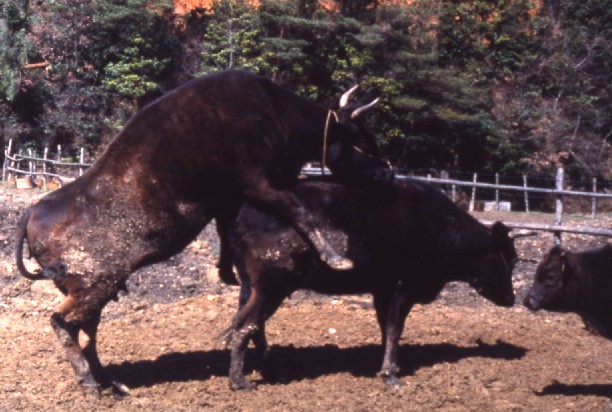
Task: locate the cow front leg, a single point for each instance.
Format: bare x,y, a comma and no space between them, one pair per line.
226,261
287,205
391,313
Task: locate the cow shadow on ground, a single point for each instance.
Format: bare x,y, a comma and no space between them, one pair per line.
286,364
558,388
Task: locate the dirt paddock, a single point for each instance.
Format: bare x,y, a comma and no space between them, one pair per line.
162,341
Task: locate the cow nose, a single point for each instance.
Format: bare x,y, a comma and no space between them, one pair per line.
530,302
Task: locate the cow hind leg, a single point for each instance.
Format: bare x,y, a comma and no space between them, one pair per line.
244,328
249,324
68,335
76,325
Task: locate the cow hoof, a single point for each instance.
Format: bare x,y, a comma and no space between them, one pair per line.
242,385
229,278
119,389
339,263
392,380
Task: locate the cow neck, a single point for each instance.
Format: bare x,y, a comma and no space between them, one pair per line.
330,112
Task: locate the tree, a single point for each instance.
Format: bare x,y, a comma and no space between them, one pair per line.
570,85
13,47
233,38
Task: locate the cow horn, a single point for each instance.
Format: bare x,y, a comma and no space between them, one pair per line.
363,108
345,97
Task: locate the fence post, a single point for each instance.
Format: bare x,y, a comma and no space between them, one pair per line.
7,153
44,176
31,164
81,160
444,176
525,195
496,191
558,204
473,198
594,199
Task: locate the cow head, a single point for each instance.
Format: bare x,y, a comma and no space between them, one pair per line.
554,286
491,273
351,152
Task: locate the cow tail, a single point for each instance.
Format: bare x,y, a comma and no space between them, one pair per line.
20,238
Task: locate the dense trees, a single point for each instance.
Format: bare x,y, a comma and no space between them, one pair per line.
509,85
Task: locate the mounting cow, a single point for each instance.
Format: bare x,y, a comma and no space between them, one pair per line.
576,282
406,244
194,154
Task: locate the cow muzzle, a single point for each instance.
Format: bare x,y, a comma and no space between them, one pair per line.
532,301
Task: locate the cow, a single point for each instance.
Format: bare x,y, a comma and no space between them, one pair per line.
194,154
406,244
579,282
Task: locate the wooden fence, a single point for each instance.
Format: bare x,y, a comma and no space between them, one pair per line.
557,228
45,167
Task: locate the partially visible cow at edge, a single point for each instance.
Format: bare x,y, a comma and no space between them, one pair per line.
194,154
576,282
406,244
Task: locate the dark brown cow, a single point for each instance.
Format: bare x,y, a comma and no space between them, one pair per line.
406,243
195,154
576,282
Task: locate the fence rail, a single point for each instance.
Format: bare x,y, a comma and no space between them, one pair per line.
12,164
558,192
13,161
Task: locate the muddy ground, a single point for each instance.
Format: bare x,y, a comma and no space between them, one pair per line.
162,341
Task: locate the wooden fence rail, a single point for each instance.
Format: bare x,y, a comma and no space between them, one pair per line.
558,192
12,164
37,166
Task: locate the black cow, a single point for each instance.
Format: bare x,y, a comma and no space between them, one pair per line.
576,282
406,244
194,154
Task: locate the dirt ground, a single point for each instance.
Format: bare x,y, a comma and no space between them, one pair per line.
162,341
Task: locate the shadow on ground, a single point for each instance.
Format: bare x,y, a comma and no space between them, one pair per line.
558,388
286,364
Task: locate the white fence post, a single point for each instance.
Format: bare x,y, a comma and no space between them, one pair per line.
81,160
473,198
558,204
594,199
526,196
7,153
496,191
44,176
30,162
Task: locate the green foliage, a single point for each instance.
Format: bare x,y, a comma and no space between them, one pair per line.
474,84
232,38
133,75
13,48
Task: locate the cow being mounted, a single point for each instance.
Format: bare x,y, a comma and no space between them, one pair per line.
194,154
406,243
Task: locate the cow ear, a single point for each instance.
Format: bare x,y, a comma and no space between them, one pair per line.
499,233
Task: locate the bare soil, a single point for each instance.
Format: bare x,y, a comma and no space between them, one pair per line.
163,341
